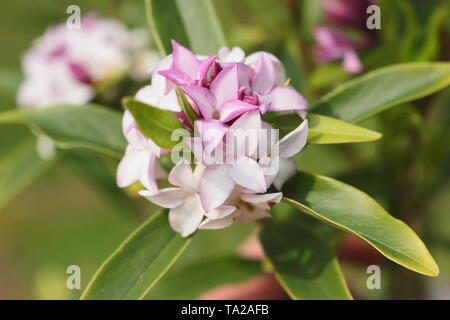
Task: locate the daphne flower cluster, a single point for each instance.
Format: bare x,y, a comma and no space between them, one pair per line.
229,94
70,65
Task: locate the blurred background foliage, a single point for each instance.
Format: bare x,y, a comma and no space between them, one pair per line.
74,214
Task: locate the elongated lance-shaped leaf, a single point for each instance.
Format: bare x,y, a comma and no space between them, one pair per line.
351,210
139,262
155,123
303,262
381,89
321,129
192,23
90,126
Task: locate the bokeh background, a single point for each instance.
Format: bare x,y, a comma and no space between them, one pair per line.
73,213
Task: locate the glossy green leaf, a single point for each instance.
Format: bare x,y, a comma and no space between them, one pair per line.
90,126
155,123
323,130
303,262
326,130
192,279
381,89
192,23
139,262
19,168
353,211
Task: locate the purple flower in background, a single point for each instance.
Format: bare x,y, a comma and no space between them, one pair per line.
332,44
347,13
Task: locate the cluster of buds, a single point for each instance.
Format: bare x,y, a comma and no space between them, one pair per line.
237,155
70,66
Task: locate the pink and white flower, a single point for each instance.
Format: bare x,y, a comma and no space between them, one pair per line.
287,147
140,160
183,200
229,93
248,207
67,65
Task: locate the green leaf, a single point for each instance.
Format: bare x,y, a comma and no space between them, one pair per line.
186,106
155,123
139,262
304,263
191,279
326,130
351,210
90,126
381,89
321,129
192,23
19,168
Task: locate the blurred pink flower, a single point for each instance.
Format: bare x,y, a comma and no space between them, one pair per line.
332,44
64,65
347,13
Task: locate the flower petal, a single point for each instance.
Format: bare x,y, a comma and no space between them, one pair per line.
294,141
128,170
247,216
215,186
147,172
160,83
177,76
262,200
280,74
182,176
247,173
225,86
166,198
232,109
211,133
169,102
186,218
287,170
244,134
234,55
264,78
184,60
148,95
220,212
351,62
216,224
204,68
203,99
284,99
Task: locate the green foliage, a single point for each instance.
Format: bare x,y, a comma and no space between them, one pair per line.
139,262
192,23
89,126
321,129
155,123
303,262
379,90
351,210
